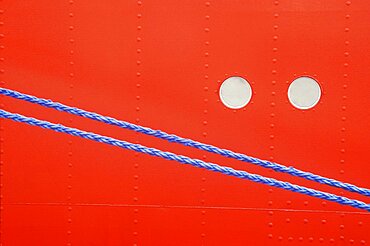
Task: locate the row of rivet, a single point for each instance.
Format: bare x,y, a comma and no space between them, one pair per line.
342,131
71,74
2,83
205,111
272,102
139,65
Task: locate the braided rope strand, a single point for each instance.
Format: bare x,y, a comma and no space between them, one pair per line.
187,142
185,160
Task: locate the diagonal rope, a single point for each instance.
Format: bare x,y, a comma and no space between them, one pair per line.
186,160
187,142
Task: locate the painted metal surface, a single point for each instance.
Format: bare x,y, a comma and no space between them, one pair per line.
160,64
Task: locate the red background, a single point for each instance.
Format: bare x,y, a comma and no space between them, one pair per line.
160,64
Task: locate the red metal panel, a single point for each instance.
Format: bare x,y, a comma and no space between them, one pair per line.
160,64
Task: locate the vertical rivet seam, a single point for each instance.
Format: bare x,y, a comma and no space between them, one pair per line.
204,121
71,74
342,131
138,73
272,104
2,81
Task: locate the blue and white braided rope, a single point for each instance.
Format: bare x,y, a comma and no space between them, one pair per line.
185,160
187,142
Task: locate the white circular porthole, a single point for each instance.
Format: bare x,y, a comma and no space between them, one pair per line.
235,92
304,93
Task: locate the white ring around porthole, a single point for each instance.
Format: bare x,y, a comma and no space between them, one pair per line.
235,92
304,93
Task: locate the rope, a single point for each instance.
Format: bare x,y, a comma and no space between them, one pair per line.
185,160
187,142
